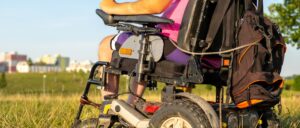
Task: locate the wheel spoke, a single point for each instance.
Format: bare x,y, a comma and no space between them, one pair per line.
176,122
179,123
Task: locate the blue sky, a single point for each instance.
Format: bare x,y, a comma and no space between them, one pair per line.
68,27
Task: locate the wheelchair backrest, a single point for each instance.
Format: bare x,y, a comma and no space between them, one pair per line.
195,23
197,18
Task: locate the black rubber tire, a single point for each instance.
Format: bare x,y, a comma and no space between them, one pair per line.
185,109
88,123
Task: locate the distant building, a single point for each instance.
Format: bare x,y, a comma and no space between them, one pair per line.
10,60
47,59
63,62
44,68
3,66
24,67
57,60
76,66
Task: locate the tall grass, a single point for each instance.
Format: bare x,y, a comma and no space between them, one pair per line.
56,111
33,111
290,117
43,111
23,104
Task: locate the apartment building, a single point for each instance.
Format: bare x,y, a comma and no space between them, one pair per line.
9,61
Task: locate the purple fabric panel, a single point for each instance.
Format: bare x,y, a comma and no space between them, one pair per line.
178,57
181,58
123,37
211,62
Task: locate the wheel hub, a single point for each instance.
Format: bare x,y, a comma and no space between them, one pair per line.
176,122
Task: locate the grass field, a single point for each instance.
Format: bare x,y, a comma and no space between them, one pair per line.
23,104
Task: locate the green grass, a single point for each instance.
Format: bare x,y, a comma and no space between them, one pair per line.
55,83
23,104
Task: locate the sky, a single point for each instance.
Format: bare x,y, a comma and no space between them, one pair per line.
70,28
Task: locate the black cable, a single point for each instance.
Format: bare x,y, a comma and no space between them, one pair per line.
129,89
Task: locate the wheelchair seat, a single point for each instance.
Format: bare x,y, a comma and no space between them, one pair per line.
168,69
139,19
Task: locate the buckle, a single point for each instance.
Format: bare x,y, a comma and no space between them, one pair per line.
226,60
225,66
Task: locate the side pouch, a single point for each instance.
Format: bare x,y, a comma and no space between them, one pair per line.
258,95
256,78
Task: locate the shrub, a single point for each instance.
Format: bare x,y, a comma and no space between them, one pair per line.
3,82
296,85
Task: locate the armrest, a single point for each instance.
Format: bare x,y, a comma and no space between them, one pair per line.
139,19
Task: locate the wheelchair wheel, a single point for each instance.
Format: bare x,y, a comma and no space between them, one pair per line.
179,114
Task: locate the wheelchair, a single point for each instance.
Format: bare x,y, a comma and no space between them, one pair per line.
178,108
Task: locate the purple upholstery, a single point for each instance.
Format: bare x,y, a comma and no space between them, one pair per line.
123,37
178,57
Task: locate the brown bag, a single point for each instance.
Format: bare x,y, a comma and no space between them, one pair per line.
256,77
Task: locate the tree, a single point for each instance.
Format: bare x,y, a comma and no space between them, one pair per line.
3,82
29,61
287,16
41,63
296,85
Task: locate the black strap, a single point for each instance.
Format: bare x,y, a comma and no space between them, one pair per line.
216,21
260,9
229,27
259,4
227,43
248,5
229,81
